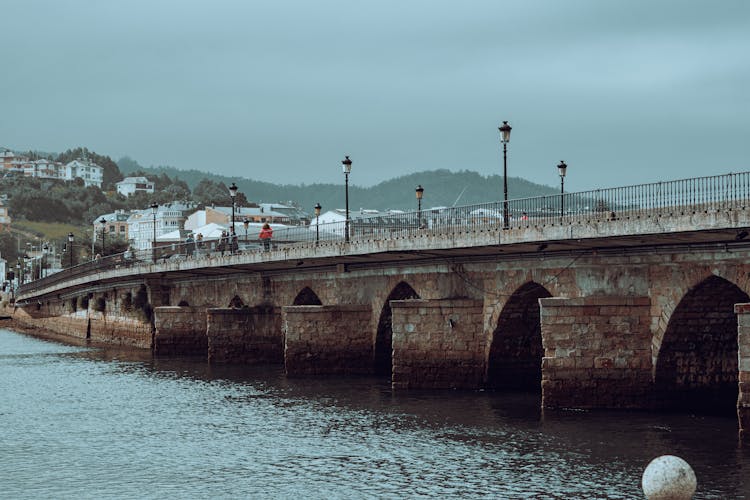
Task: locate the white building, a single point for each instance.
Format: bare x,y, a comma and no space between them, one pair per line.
3,269
168,218
91,173
131,185
333,221
141,229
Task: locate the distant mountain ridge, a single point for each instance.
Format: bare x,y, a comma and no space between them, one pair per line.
441,188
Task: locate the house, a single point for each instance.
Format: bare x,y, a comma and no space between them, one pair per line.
44,169
8,158
4,217
131,185
115,226
91,173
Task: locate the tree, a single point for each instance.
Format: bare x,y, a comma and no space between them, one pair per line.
208,192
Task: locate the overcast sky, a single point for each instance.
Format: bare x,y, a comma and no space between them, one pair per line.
625,92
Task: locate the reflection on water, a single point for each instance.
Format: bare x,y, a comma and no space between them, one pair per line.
78,422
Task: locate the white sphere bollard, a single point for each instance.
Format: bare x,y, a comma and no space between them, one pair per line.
669,478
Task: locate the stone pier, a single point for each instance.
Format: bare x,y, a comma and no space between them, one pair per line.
180,331
743,352
322,340
245,335
438,344
597,352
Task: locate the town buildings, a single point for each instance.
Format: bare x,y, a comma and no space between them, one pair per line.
144,225
81,168
265,212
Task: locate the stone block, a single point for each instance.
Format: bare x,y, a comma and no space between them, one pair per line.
600,362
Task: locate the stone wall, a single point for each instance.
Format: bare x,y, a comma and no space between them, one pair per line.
322,340
120,330
246,335
597,352
73,325
743,341
438,344
180,330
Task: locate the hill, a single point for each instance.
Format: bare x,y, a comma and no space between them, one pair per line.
442,188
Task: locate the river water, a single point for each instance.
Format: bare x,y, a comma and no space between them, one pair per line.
84,422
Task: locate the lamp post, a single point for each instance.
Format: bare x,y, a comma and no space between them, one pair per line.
317,223
13,286
103,222
30,260
232,193
45,249
347,167
561,168
419,192
246,222
154,208
70,247
505,139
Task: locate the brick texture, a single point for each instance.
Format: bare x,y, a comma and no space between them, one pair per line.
438,344
596,352
324,340
246,335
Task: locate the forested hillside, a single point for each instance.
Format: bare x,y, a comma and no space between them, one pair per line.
442,188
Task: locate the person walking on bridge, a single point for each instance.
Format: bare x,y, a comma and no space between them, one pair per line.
266,233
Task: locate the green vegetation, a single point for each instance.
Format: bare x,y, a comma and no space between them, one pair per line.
46,230
442,188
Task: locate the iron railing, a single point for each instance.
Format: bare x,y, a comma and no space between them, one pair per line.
721,192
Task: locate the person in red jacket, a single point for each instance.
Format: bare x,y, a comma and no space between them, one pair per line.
266,233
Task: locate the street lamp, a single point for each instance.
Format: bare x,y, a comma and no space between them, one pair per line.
19,277
246,222
561,168
419,192
154,208
30,260
103,222
45,249
505,139
70,247
347,166
232,192
317,223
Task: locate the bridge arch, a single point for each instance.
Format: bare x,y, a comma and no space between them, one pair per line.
306,297
696,361
236,303
383,352
515,354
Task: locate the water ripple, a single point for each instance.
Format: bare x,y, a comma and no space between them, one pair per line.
90,423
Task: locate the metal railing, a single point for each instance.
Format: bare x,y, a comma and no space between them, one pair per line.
721,192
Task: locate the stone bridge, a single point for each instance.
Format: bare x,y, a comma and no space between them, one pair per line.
634,308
